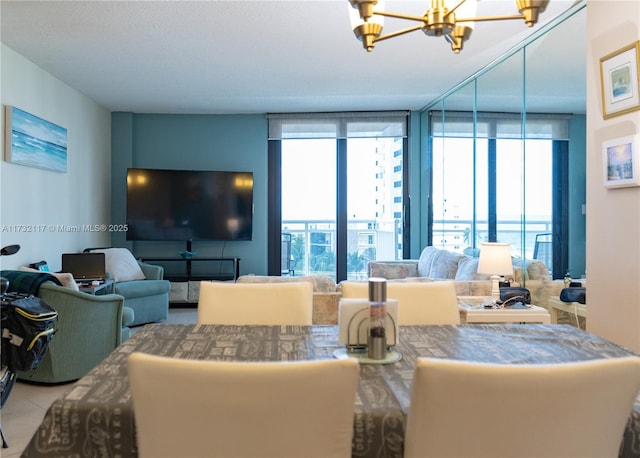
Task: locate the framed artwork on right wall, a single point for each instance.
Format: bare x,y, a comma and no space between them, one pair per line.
620,162
619,81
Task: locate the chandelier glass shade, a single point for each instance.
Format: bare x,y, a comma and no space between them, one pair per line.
451,19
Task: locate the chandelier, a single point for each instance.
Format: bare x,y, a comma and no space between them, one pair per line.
454,24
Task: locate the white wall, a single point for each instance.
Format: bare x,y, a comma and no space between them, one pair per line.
613,216
42,198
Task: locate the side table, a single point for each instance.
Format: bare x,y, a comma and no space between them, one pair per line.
106,287
574,308
472,311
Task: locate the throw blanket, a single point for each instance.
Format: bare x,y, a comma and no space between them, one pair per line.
27,282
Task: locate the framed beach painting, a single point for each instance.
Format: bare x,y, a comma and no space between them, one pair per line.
619,81
620,162
33,141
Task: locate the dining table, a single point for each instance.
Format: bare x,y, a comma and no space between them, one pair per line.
95,418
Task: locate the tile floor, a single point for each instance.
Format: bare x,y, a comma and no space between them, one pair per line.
27,403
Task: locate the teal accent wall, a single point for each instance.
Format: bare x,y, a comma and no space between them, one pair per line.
193,142
239,143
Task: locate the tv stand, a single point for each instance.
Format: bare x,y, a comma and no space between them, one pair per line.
185,282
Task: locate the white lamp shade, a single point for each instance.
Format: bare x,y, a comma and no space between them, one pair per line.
495,259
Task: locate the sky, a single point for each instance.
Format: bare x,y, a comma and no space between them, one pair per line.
309,179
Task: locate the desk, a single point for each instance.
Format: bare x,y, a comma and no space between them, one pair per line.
106,287
472,311
95,418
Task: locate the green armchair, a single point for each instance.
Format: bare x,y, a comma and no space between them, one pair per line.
88,329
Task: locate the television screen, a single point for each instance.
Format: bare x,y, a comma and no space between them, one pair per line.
184,205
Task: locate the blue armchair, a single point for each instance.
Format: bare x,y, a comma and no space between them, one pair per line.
148,298
145,292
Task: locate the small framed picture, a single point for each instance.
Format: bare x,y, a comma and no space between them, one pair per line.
619,81
620,162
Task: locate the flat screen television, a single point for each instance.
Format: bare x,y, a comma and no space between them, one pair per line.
184,205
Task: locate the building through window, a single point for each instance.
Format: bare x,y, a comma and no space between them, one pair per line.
340,183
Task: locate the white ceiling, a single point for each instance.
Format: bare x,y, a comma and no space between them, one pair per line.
245,56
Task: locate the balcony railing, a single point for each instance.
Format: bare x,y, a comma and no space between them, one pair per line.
313,242
455,235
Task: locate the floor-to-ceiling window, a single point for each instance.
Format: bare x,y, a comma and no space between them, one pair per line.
337,192
309,204
488,186
504,152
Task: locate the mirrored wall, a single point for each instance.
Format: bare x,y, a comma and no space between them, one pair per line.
505,153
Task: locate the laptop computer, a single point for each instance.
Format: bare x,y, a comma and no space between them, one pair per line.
84,267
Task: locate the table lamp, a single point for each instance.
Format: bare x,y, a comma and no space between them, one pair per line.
495,260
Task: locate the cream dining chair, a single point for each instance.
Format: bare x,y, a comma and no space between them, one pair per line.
419,303
467,409
194,408
256,303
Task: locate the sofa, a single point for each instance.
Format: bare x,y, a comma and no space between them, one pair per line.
141,284
434,264
438,264
326,295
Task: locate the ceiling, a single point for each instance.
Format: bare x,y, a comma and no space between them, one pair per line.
245,56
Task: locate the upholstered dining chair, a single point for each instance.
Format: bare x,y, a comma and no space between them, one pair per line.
194,408
547,410
420,303
255,303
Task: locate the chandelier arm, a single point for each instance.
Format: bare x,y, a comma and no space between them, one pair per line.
400,16
438,21
490,18
457,6
399,32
